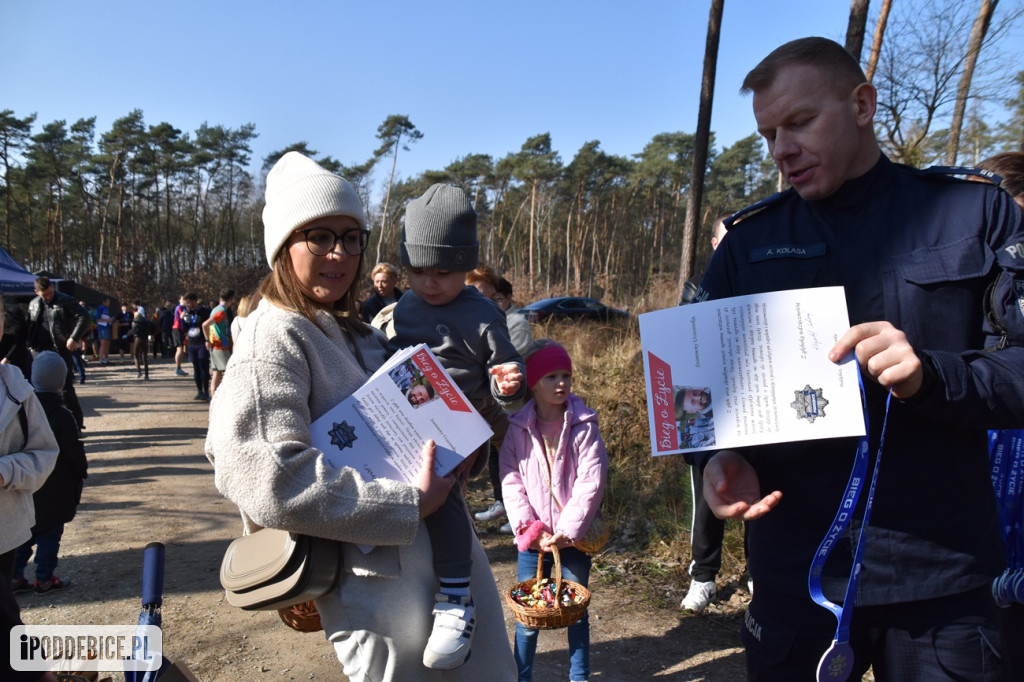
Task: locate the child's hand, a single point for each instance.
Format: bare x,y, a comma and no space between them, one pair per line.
542,541
558,540
508,377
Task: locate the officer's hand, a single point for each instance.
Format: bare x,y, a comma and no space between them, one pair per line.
885,354
72,345
732,489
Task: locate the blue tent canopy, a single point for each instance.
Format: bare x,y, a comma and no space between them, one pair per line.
14,279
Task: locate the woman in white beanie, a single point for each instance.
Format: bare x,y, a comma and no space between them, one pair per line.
313,352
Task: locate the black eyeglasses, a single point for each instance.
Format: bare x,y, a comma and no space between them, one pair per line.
320,241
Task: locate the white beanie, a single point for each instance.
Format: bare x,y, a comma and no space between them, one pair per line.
300,190
49,372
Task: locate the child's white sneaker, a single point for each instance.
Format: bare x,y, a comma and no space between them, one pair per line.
452,636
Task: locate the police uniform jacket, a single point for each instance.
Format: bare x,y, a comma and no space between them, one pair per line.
942,259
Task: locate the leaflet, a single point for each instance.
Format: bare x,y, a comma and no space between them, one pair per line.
749,370
380,429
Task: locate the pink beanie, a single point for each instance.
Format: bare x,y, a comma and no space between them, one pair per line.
548,359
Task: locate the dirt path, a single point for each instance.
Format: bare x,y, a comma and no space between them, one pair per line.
149,481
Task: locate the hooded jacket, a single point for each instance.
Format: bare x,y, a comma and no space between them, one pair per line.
578,473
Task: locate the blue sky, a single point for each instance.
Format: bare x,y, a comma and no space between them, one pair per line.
474,77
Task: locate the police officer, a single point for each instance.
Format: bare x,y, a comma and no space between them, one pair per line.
58,322
916,252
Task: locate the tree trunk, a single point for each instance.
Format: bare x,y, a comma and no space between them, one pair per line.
978,31
700,144
876,43
855,28
167,217
105,213
568,246
58,252
387,198
533,206
7,202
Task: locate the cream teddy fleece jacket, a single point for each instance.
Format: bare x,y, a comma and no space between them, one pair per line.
286,372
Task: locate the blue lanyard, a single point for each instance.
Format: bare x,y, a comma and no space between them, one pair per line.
837,662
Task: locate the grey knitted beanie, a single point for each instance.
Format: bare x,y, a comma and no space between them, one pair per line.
49,372
440,231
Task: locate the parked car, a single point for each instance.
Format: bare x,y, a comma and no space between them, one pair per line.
572,307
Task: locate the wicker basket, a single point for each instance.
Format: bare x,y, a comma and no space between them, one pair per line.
302,617
553,618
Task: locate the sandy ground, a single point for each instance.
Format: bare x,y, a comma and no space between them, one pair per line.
149,481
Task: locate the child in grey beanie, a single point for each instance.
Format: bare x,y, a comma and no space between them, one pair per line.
56,501
49,372
468,334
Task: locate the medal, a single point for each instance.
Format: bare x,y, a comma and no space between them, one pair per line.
837,663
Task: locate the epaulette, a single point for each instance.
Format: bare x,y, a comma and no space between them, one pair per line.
960,171
757,207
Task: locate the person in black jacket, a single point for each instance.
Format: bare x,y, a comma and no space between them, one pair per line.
385,291
58,322
14,340
57,500
933,272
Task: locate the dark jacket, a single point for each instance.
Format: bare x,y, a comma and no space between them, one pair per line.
14,343
919,250
192,328
165,320
58,499
369,308
51,324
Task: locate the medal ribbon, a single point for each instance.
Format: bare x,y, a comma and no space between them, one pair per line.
837,662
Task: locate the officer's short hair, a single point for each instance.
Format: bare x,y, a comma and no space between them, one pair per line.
821,53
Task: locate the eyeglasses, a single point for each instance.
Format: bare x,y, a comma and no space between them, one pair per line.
320,241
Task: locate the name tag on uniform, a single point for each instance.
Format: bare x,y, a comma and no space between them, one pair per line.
787,251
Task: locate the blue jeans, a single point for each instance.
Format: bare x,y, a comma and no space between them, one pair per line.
47,546
575,567
79,363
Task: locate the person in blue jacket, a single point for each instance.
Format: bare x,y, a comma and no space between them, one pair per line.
933,270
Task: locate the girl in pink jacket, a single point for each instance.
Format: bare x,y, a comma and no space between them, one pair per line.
553,469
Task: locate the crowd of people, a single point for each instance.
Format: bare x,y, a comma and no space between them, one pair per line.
933,269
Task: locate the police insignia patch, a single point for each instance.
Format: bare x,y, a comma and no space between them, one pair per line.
343,435
809,403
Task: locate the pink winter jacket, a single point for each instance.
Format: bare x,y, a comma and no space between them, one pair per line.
578,474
